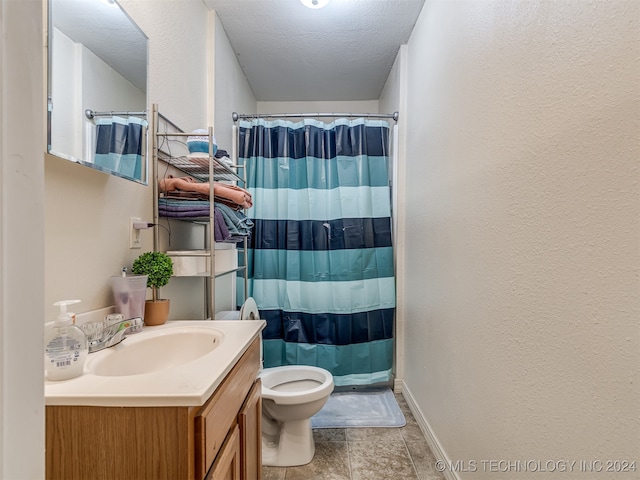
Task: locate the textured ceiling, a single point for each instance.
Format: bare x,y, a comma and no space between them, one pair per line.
343,51
108,32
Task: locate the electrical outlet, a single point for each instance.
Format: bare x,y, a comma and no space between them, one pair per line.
134,233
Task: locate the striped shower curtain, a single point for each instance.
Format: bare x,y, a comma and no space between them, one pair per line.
120,145
320,257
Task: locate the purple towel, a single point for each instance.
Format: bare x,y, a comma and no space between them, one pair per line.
222,232
185,214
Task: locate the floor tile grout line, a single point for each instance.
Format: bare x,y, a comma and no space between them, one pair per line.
413,463
402,431
348,454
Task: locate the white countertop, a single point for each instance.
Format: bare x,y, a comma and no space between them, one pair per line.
190,384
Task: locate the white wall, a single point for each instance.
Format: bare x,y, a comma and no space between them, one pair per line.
178,73
358,106
103,89
22,143
232,92
522,217
82,80
393,99
179,83
66,125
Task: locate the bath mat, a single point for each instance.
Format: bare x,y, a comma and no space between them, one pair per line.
365,407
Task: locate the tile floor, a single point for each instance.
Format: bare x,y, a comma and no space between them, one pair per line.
366,454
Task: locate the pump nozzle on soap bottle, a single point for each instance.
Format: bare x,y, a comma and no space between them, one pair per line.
64,317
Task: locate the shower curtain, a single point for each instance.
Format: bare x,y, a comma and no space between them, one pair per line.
119,145
320,259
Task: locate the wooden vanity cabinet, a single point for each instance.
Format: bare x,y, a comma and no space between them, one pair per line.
219,440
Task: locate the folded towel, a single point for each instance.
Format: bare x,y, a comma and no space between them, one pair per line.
178,195
237,195
237,222
187,214
234,193
221,231
181,205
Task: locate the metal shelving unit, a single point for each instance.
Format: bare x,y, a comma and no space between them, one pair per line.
203,169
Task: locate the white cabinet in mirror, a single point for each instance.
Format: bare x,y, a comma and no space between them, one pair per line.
97,87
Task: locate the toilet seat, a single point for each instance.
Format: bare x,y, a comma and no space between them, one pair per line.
295,384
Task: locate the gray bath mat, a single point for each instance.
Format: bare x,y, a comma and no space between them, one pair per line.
366,407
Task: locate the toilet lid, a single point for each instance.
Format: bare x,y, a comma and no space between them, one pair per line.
249,310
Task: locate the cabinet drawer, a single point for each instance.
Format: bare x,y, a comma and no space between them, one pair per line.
218,415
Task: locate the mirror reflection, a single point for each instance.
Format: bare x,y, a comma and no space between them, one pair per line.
97,87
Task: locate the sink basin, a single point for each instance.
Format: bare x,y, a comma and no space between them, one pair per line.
177,364
154,351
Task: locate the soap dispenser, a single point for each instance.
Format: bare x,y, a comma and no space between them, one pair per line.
65,346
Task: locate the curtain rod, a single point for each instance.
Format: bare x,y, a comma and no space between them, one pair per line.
248,116
90,114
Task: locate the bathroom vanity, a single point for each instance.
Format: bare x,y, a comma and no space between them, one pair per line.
194,419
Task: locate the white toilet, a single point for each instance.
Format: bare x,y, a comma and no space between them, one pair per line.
291,395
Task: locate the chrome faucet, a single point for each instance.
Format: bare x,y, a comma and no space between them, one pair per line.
101,335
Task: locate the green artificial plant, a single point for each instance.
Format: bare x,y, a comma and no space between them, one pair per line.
157,266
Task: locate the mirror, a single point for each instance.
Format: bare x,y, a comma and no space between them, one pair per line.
97,87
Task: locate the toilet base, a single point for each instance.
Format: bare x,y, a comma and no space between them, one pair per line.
289,445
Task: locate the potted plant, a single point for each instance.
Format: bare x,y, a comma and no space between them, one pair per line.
158,267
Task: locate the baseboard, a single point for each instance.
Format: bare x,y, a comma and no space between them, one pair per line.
397,385
428,433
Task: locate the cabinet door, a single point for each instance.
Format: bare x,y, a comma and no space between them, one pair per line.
216,418
227,465
249,420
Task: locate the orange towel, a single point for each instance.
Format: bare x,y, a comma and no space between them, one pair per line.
235,194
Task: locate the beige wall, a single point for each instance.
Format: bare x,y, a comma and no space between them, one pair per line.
87,212
523,222
86,232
